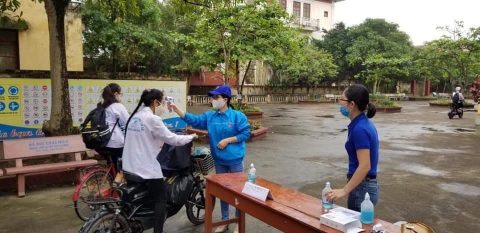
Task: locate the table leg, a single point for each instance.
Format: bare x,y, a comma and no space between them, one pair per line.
241,222
208,211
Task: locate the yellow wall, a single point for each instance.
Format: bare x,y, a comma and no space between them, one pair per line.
34,42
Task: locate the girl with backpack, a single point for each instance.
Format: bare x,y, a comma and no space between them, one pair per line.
116,116
145,136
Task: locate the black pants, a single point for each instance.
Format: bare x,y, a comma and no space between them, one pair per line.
115,154
158,192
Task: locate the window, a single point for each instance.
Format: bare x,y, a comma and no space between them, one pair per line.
283,3
8,49
306,10
325,14
296,10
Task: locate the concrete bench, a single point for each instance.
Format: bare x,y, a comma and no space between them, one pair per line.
332,97
399,96
24,149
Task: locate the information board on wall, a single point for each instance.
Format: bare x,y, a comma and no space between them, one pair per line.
25,103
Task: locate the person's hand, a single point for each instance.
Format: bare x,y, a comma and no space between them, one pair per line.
173,107
336,194
194,135
222,144
176,110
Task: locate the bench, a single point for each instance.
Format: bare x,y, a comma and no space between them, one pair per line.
332,97
399,96
23,149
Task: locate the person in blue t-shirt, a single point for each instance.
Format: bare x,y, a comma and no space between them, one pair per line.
362,148
228,130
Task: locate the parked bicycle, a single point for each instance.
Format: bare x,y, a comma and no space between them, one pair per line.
133,210
95,182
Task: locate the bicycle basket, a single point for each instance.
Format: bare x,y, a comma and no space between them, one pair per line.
203,163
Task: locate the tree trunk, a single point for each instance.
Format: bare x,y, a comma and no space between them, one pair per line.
60,122
243,82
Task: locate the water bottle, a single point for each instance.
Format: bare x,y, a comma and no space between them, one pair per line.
252,174
325,203
367,212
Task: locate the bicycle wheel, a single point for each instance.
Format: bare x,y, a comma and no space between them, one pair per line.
98,184
106,222
195,206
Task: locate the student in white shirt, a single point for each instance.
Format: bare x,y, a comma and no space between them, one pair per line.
116,116
145,135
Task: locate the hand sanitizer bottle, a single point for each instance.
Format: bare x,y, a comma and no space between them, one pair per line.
367,211
325,203
252,174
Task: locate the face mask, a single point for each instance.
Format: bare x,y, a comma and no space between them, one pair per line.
118,98
344,111
218,104
160,110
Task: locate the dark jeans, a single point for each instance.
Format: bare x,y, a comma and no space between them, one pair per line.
158,191
115,154
357,195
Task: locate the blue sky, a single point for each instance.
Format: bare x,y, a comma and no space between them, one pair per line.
418,18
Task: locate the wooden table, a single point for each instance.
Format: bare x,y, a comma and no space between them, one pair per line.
289,211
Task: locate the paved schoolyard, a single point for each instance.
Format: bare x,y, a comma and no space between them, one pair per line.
429,169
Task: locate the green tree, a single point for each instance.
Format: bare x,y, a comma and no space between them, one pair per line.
453,59
60,122
381,50
336,41
301,63
235,34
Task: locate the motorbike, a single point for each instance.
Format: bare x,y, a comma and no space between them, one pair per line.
133,209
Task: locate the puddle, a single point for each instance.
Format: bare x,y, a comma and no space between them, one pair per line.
432,129
325,116
442,151
421,170
464,130
463,189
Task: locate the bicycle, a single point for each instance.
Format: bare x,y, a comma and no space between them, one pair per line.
95,182
133,210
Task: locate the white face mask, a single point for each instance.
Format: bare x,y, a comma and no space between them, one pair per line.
161,110
218,104
118,97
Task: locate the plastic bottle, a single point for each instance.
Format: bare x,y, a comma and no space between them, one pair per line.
325,203
252,174
367,212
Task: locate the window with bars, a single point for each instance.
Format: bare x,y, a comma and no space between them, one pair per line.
306,10
325,14
296,10
283,3
8,49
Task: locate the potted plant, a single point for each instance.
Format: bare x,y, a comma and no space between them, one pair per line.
384,104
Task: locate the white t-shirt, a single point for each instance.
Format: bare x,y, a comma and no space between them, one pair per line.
113,112
146,134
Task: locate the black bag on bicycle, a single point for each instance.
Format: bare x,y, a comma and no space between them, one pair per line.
175,160
95,131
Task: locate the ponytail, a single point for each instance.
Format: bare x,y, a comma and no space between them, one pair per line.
371,110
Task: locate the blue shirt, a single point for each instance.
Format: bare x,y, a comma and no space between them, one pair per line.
230,123
362,134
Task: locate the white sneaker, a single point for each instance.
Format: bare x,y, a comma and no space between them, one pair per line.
221,229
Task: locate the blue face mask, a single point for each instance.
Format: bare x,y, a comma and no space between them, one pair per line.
344,111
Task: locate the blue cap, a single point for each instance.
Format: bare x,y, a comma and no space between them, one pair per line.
221,90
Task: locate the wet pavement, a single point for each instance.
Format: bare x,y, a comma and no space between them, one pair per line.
428,171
